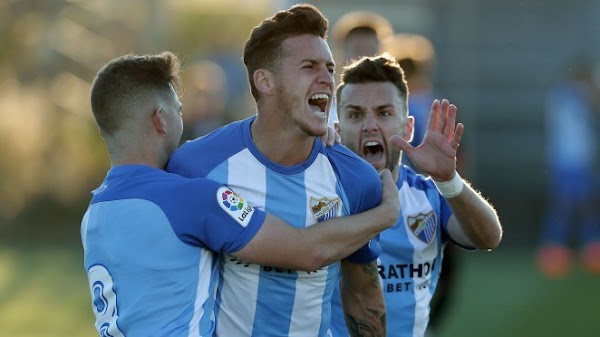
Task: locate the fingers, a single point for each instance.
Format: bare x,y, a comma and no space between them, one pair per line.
442,115
455,142
450,121
401,143
385,174
331,137
389,186
433,115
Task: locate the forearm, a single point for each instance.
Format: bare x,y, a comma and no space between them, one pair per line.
477,218
362,299
279,244
335,239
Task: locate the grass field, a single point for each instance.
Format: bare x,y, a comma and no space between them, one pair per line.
43,293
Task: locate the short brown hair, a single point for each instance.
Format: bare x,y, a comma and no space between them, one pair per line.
126,80
263,47
381,68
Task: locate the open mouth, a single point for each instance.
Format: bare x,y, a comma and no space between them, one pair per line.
318,103
372,151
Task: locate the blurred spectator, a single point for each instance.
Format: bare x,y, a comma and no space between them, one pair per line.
358,34
204,99
571,159
416,55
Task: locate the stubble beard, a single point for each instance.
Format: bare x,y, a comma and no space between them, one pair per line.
287,103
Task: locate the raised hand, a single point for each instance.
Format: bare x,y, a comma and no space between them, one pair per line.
436,155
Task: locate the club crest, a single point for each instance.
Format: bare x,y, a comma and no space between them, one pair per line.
423,226
323,209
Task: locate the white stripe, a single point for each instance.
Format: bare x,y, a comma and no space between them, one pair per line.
414,202
202,292
240,283
239,293
307,305
244,167
320,181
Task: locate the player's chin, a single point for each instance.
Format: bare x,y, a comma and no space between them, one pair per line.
319,131
316,127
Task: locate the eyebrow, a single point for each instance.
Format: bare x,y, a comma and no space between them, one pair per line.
353,106
379,107
384,106
315,61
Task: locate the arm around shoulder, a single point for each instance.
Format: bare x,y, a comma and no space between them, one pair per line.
279,244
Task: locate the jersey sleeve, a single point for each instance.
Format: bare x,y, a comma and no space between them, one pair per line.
207,214
367,253
444,211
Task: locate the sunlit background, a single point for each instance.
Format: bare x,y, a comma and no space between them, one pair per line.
496,60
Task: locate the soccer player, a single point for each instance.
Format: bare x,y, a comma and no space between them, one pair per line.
374,123
416,56
572,173
148,235
276,160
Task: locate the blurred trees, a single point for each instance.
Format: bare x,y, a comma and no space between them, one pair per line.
52,155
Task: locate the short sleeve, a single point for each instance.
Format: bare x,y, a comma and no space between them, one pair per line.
367,253
207,214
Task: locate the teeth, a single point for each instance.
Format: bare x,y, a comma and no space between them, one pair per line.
371,143
319,96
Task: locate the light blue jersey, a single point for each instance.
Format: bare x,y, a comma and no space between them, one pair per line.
147,237
255,300
411,258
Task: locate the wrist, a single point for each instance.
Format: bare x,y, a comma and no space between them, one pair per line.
450,188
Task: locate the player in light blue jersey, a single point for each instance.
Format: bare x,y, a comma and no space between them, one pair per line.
374,123
149,236
276,160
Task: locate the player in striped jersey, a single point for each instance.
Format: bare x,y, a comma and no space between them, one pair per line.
149,236
374,123
276,160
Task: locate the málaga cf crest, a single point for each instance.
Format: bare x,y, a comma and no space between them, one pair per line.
323,209
423,226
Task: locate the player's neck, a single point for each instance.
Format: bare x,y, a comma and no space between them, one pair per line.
139,156
138,161
285,147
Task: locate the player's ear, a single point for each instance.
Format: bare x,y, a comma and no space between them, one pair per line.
264,81
409,129
158,121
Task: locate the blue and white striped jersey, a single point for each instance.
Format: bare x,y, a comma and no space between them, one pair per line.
256,300
147,237
411,258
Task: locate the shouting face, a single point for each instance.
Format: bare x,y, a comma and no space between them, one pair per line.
370,113
304,83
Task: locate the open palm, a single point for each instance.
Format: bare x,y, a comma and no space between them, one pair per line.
436,155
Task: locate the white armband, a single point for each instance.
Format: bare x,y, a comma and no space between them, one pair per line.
450,188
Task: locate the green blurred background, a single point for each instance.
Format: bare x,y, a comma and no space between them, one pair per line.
495,60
